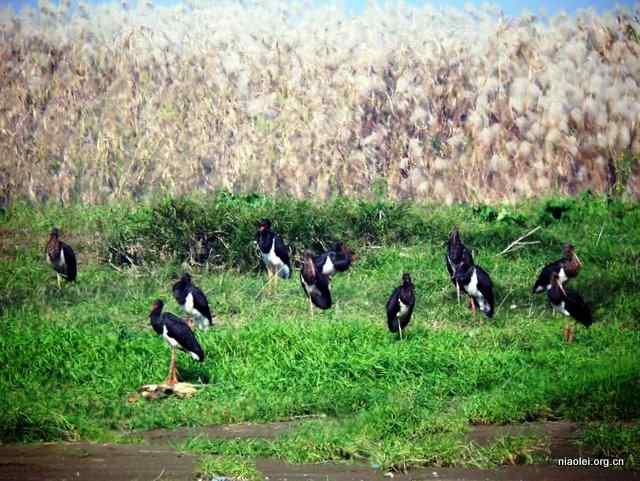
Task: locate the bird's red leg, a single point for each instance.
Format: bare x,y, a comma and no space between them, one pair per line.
570,334
473,307
171,378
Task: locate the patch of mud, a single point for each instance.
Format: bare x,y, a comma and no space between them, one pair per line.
225,431
108,462
562,435
94,462
278,471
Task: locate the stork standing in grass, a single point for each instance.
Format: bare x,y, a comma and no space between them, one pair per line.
569,303
193,301
455,250
400,305
178,335
274,253
477,284
566,268
338,259
314,283
61,256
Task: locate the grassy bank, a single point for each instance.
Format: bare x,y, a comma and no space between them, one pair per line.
72,357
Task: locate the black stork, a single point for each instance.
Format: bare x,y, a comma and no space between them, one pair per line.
338,259
400,305
566,268
455,250
274,253
193,301
61,256
476,283
314,283
569,303
178,335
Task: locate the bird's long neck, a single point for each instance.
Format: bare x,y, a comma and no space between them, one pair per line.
265,239
156,319
406,289
53,246
309,270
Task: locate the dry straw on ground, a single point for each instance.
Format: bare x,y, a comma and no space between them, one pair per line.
125,100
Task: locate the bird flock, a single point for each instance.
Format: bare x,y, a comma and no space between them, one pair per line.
315,278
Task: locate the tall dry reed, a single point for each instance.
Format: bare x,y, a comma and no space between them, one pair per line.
123,100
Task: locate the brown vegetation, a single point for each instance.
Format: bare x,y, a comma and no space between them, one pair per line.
120,102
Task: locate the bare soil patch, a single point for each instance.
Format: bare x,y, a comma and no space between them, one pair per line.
108,462
94,462
224,431
562,435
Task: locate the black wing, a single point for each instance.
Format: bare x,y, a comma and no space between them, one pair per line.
282,252
70,261
393,308
342,262
180,292
578,309
200,302
485,286
180,331
393,304
544,279
321,297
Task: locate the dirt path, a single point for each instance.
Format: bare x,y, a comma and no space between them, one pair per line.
93,462
156,461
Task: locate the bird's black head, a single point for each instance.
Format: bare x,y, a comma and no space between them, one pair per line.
186,277
55,233
264,225
157,305
406,279
569,250
342,248
454,235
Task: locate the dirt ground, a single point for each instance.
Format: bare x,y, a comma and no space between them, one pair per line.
154,460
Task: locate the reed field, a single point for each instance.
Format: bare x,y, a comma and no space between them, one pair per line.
73,357
121,100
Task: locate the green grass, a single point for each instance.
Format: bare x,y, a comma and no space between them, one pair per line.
236,467
70,358
608,440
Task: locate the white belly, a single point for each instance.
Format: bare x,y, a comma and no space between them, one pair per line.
327,267
473,291
560,308
201,320
562,276
172,342
188,303
271,260
403,308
